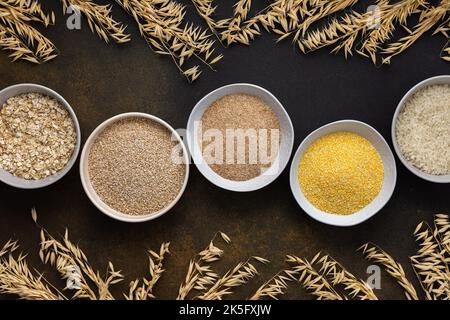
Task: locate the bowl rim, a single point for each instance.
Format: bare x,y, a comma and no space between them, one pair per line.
416,171
85,181
326,217
238,186
37,184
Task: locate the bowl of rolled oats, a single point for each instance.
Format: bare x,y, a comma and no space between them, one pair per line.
39,136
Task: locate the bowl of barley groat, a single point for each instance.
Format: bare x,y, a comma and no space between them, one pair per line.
134,167
39,136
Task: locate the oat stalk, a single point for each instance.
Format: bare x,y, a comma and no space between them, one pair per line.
206,10
16,278
66,257
395,14
275,286
145,291
356,288
442,227
100,20
160,22
320,10
311,279
393,268
200,274
18,35
428,19
242,273
431,263
72,264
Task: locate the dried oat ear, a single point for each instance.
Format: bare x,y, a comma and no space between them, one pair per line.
100,20
17,34
162,26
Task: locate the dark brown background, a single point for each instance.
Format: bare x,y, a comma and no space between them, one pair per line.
100,81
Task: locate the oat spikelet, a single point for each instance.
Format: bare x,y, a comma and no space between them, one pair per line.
160,22
271,16
238,276
428,19
311,279
394,269
145,291
289,14
344,30
100,20
234,26
442,227
206,10
9,41
16,278
200,275
445,53
18,36
444,28
431,264
66,257
320,10
356,288
275,286
395,14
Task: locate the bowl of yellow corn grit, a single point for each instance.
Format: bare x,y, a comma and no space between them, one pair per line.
343,173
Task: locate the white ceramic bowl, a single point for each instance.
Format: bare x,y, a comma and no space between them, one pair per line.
387,188
445,79
21,183
285,150
90,191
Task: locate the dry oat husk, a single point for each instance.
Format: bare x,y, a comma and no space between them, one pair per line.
100,20
144,291
65,256
393,268
18,36
431,263
310,278
295,18
241,274
396,14
207,10
161,23
200,274
16,278
428,19
275,286
354,287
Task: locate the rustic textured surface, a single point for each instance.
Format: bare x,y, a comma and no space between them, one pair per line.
101,80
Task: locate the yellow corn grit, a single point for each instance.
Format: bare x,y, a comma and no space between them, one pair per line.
341,173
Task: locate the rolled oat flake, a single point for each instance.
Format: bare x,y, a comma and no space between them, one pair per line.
37,136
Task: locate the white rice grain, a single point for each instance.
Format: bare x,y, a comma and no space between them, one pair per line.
423,129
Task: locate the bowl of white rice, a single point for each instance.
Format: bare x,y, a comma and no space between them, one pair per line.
421,129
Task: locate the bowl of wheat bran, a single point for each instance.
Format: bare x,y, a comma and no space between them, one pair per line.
240,137
134,167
